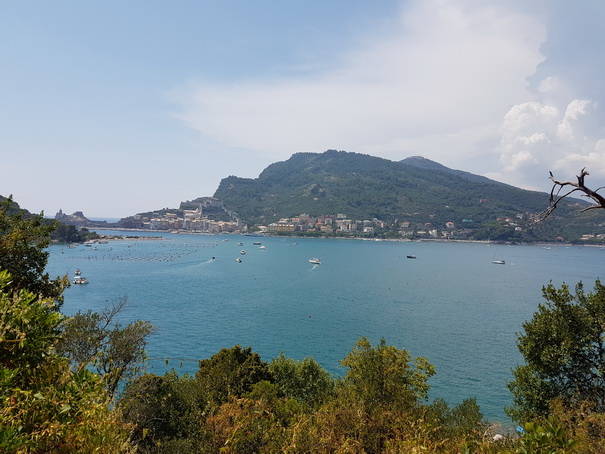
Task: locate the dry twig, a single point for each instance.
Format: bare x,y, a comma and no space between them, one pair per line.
555,196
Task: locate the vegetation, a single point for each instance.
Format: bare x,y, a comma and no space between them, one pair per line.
45,407
64,233
231,373
564,350
246,405
23,242
304,381
94,340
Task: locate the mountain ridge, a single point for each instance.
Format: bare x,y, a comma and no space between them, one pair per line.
364,186
422,162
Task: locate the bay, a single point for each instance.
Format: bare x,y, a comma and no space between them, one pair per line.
450,304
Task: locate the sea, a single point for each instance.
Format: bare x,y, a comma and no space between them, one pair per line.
450,304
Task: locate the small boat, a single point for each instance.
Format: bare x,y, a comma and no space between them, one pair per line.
262,247
238,260
77,272
242,252
497,261
240,244
256,243
80,280
315,261
411,256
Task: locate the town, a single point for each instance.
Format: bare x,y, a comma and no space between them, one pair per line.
195,221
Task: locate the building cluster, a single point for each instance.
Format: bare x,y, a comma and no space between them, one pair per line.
190,220
340,224
591,237
181,220
326,223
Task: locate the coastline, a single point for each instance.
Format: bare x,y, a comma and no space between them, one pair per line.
418,240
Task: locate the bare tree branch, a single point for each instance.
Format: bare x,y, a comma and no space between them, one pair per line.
555,196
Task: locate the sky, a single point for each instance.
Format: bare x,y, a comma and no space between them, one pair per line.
115,108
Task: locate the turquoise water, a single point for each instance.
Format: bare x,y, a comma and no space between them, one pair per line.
450,304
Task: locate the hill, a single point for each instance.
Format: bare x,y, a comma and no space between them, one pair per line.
414,190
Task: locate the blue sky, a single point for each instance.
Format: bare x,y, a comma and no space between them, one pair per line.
113,107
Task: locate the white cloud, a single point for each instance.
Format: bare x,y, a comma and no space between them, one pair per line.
481,86
437,84
571,125
526,136
565,112
537,136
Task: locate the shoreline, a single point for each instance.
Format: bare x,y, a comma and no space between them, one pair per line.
398,240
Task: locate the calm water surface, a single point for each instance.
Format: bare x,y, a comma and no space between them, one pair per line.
450,304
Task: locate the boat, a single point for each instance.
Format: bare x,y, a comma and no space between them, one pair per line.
77,272
240,244
256,243
262,247
242,252
497,261
80,280
411,256
315,261
238,260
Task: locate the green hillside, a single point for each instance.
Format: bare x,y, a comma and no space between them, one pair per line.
366,187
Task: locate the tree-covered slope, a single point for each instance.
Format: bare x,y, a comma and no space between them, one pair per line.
366,187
